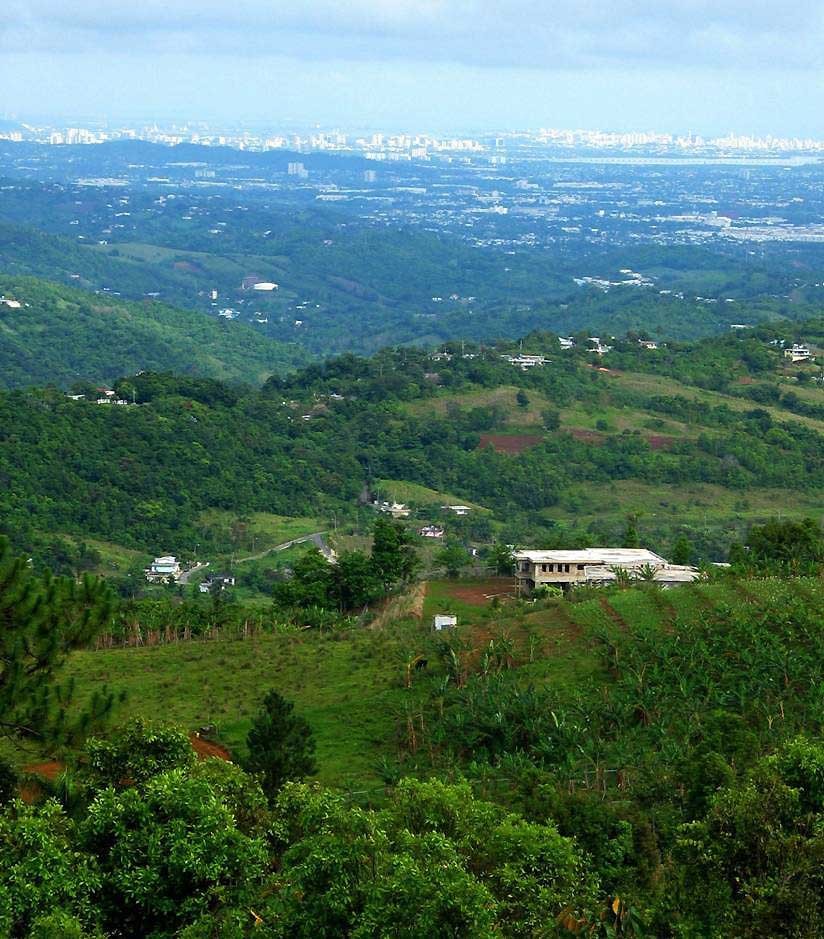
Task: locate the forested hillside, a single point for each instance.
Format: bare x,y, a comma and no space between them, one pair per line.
55,335
559,455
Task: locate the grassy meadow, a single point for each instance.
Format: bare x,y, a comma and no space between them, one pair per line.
350,684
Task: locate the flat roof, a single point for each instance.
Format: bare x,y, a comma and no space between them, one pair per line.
603,556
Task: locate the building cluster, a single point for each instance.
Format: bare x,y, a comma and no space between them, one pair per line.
384,146
103,396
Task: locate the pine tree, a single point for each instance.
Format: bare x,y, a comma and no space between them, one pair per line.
42,619
280,744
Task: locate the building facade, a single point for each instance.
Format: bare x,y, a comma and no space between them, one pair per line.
567,569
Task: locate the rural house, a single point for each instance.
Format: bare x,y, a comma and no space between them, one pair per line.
431,531
395,509
217,582
162,568
566,569
444,621
523,362
798,353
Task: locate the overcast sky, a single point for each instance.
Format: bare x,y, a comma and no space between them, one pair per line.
702,65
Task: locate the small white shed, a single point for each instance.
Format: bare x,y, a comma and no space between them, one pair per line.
444,621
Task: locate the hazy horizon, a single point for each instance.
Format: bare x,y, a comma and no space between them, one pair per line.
629,65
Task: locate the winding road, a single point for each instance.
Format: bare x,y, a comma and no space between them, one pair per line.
317,538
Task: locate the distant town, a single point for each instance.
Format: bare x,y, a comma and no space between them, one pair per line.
415,145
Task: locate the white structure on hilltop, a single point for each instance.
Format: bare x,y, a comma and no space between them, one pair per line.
395,509
457,509
595,566
523,362
163,568
598,347
798,353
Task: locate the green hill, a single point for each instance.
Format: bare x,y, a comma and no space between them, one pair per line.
748,649
555,457
59,335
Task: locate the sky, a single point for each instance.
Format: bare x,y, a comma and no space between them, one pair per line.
444,66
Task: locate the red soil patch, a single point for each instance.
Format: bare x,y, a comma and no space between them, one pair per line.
479,594
660,442
31,791
746,380
206,748
586,436
50,770
503,444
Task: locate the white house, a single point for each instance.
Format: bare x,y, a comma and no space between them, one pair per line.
217,582
598,347
798,353
163,568
395,509
431,531
265,286
565,568
458,509
524,362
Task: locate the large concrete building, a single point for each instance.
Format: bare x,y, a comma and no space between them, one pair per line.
595,566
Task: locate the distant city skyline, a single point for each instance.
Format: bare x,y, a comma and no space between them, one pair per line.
444,65
417,143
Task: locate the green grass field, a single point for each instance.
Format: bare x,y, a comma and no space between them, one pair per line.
690,504
348,689
349,685
661,385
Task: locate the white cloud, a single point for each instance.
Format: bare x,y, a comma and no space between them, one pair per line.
534,33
